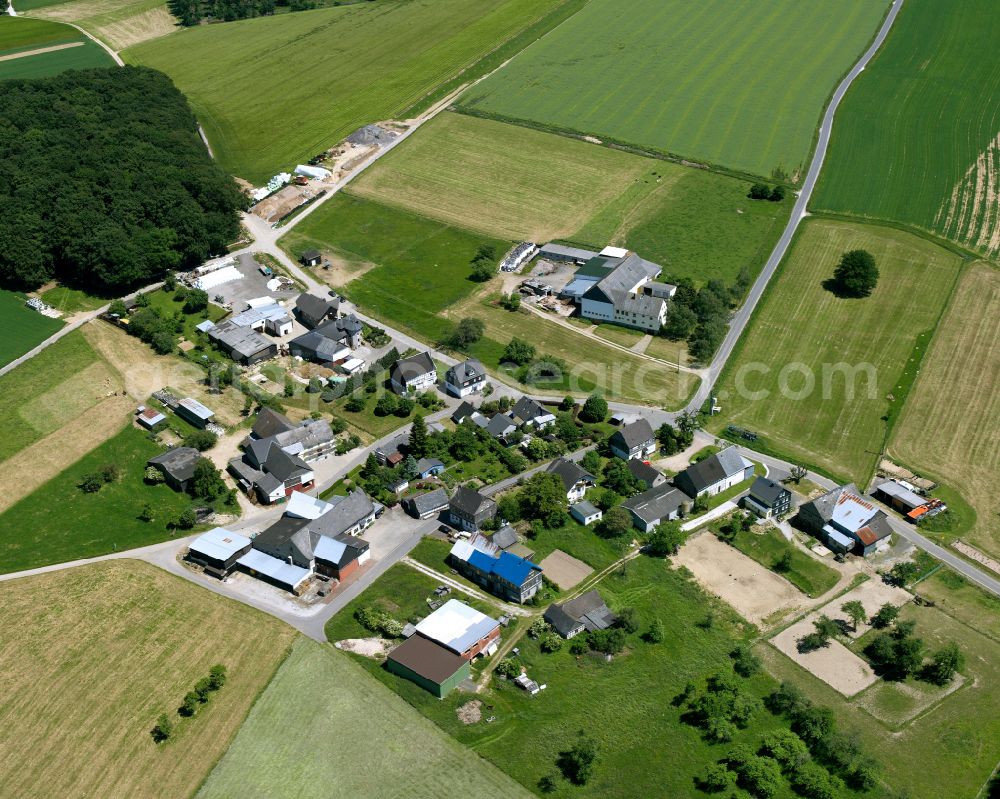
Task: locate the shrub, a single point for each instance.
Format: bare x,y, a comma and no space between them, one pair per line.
595,409
201,440
759,191
655,634
509,667
91,483
163,729
356,403
577,762
715,778
189,705
745,662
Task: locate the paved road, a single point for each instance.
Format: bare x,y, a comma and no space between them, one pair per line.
799,212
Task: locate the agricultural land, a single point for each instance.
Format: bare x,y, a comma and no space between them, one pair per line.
118,23
512,182
936,171
20,327
949,426
93,655
698,81
774,384
34,48
420,284
271,92
287,747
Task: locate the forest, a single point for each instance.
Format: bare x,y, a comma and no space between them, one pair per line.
105,184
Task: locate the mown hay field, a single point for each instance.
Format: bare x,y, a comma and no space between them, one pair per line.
273,91
118,23
950,425
814,372
736,84
354,736
93,655
420,284
930,156
70,50
513,182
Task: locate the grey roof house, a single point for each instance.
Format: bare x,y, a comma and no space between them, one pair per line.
468,509
655,505
649,476
176,465
465,378
312,311
714,474
243,344
416,373
768,499
633,440
424,506
531,413
845,522
586,612
619,296
575,479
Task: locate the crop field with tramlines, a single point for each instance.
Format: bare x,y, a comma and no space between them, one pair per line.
741,85
930,156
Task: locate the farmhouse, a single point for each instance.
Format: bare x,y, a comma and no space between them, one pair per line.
633,440
313,311
845,522
655,505
504,538
714,474
468,509
586,612
193,412
176,465
649,476
461,629
901,498
501,573
424,506
768,499
585,512
328,343
270,318
563,254
529,413
626,294
416,373
463,379
575,479
243,344
310,439
218,550
429,665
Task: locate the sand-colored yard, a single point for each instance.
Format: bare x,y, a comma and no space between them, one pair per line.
565,570
834,664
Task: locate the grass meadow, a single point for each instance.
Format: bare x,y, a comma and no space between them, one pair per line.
94,654
22,35
701,81
59,522
352,735
271,92
801,329
118,23
947,749
20,327
513,182
949,425
413,272
929,157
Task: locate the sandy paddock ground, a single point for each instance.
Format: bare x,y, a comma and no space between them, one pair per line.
754,591
564,570
369,647
872,594
834,664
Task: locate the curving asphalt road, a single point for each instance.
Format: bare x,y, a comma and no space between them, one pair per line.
742,316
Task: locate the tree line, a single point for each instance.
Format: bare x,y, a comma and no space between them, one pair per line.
104,182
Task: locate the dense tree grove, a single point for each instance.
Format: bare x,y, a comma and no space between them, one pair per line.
701,316
104,183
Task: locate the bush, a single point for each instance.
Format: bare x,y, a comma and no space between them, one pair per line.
378,621
189,705
578,647
813,781
786,747
91,483
509,667
595,409
186,519
217,676
610,642
577,762
550,642
519,352
163,729
946,662
777,194
355,404
715,778
759,191
201,440
745,662
467,332
387,405
655,634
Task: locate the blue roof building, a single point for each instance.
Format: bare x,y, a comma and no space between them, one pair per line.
503,574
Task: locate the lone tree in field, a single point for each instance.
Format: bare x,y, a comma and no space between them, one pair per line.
467,331
163,728
856,275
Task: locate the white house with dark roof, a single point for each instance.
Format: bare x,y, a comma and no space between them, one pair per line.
465,378
714,474
627,294
586,612
413,374
633,440
575,479
532,414
768,499
845,521
655,505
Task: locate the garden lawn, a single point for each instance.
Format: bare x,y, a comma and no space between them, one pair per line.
288,747
169,306
699,80
580,542
20,327
949,426
59,522
930,154
254,83
93,655
806,573
801,329
959,737
40,395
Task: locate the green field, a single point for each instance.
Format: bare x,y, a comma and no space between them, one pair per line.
704,80
516,183
420,284
810,575
21,35
20,327
271,92
324,725
92,655
59,522
802,329
119,23
930,154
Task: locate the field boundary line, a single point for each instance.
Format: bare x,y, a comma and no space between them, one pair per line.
40,50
